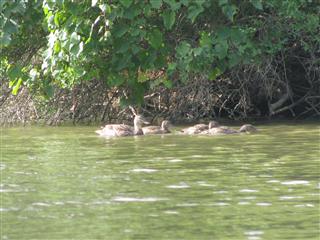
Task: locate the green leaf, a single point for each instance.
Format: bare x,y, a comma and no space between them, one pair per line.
48,90
122,62
215,73
74,38
183,49
136,32
10,27
79,71
156,3
135,48
223,2
171,68
147,11
168,19
229,11
194,11
257,4
2,21
126,3
74,49
234,59
185,2
237,36
18,7
155,38
120,30
124,102
221,50
132,12
5,40
56,19
14,72
197,51
16,87
57,47
168,83
142,77
174,5
115,80
122,46
223,33
205,40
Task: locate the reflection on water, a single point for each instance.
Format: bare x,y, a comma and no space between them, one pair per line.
262,186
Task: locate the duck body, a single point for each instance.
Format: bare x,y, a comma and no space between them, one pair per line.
122,130
163,129
222,130
195,129
116,130
198,128
219,131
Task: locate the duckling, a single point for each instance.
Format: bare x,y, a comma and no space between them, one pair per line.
120,130
247,128
165,125
222,130
198,128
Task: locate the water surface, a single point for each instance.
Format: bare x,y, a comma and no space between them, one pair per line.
67,183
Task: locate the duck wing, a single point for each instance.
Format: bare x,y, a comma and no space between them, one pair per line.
195,129
123,130
221,131
152,130
115,130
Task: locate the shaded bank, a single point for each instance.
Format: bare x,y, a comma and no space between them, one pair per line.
266,91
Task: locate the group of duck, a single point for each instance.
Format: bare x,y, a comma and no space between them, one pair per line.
213,128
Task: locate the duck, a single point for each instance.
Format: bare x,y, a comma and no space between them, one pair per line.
164,128
222,130
198,128
121,130
248,128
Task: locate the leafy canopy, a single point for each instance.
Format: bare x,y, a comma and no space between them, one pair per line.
60,43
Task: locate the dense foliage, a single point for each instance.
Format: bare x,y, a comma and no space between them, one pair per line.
138,45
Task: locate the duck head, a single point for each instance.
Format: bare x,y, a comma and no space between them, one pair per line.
213,124
166,124
139,121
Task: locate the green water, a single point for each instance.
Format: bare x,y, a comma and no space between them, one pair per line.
68,183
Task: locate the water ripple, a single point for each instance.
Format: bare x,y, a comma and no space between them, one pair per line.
248,191
264,204
144,170
180,186
289,197
295,182
9,209
133,199
41,204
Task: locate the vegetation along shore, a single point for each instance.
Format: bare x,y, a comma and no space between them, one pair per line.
86,61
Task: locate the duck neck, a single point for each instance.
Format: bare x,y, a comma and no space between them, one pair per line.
138,131
164,127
